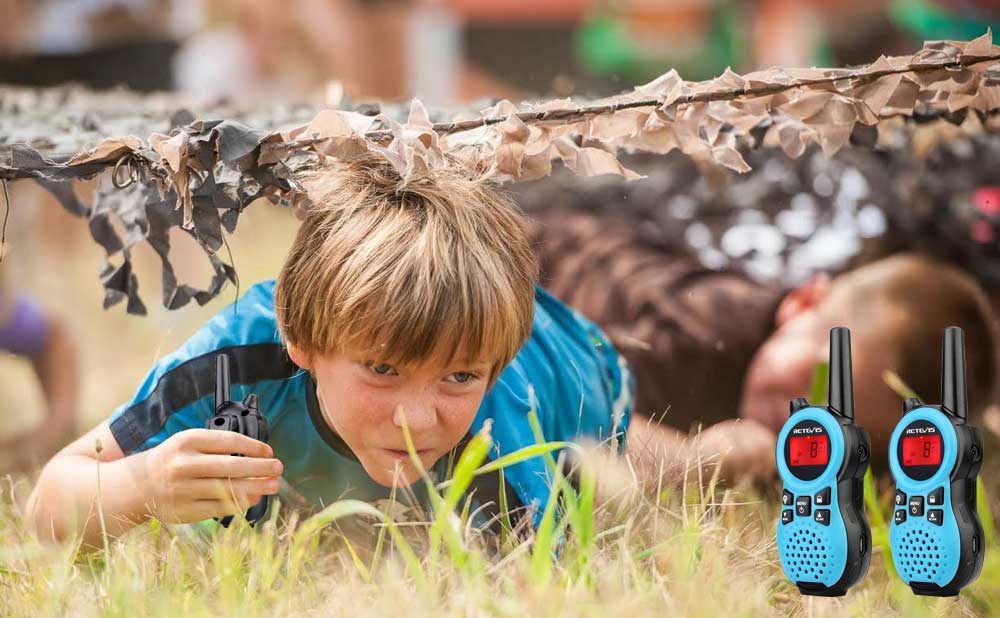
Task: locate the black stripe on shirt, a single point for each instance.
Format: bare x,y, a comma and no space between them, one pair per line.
193,379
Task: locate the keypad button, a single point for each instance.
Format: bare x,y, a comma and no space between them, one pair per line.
822,516
900,498
823,497
786,498
916,506
899,516
803,506
936,497
935,516
787,516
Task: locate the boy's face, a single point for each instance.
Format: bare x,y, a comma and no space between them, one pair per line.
784,366
366,402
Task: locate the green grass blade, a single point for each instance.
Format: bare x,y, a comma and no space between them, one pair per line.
523,454
541,553
506,526
380,542
821,378
878,520
985,515
465,471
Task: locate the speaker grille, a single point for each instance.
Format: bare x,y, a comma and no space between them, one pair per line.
806,554
920,553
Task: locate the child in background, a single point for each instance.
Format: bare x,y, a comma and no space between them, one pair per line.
717,350
41,338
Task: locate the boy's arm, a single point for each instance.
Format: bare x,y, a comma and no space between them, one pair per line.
189,477
63,497
744,449
157,459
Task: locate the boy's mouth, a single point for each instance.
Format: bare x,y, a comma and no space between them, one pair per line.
404,455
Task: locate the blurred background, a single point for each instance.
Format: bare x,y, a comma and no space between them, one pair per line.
451,53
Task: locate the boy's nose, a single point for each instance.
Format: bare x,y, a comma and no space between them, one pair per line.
419,418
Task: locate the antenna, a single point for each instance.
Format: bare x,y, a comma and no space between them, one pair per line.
953,393
841,381
221,380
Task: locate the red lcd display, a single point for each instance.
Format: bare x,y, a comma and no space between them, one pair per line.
809,450
922,450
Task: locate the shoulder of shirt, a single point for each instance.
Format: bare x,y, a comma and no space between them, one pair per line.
558,334
178,389
249,320
553,316
247,331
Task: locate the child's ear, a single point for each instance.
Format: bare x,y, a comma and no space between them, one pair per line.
298,357
804,298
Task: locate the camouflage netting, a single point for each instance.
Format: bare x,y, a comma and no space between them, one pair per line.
789,219
199,175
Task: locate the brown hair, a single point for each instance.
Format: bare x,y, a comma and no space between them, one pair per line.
928,296
408,272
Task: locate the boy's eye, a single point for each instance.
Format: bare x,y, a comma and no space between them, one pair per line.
381,369
468,377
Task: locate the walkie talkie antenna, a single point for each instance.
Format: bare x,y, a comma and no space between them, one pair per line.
953,394
221,380
841,382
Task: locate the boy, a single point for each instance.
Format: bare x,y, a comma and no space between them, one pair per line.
413,304
711,346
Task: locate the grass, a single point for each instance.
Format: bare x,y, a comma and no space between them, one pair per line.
698,549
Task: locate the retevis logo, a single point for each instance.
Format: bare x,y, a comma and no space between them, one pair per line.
920,430
807,430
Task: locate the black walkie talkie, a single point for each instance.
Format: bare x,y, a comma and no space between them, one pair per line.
935,455
242,418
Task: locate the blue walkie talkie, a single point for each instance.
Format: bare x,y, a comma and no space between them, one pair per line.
935,456
824,539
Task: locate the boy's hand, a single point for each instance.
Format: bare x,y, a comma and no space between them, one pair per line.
194,477
745,448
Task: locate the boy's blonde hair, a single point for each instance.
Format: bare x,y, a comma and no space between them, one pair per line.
408,273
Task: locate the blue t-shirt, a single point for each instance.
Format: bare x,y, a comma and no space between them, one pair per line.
582,388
